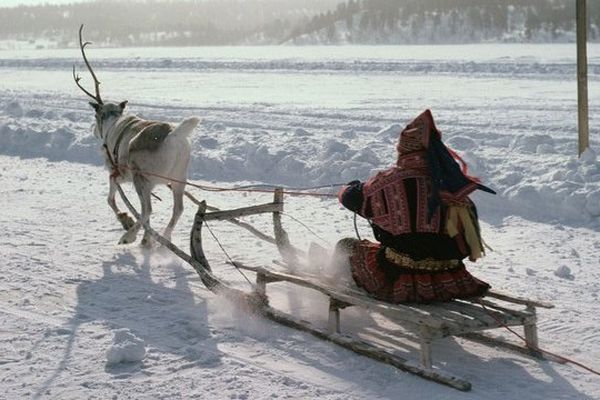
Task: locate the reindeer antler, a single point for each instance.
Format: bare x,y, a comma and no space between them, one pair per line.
77,78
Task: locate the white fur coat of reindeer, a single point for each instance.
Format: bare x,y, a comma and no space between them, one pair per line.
144,152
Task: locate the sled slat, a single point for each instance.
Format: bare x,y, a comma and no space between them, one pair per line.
525,314
518,300
485,318
244,211
444,322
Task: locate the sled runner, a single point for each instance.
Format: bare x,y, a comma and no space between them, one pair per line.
427,323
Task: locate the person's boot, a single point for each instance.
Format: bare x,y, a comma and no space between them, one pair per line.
339,269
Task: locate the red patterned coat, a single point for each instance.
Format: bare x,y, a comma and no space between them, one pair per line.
416,260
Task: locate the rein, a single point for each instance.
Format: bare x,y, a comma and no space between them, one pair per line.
249,189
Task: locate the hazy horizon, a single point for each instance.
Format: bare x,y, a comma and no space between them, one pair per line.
16,3
299,22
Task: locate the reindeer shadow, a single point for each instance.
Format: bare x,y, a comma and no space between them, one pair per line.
168,318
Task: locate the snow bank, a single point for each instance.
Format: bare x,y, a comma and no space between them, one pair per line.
566,190
538,171
38,132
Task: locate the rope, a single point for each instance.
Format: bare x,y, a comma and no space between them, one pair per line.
308,229
356,227
327,186
227,255
249,188
535,347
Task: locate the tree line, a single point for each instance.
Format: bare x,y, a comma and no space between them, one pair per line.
409,21
157,22
226,22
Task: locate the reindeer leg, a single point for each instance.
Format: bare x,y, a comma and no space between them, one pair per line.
145,194
143,189
124,218
177,189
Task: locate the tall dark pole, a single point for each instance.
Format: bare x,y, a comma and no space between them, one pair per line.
582,85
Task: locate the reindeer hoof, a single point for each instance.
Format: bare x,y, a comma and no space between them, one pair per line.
147,242
127,238
125,220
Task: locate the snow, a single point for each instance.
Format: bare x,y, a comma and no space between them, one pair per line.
564,272
82,317
126,348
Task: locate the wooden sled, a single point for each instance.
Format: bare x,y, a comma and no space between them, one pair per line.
463,318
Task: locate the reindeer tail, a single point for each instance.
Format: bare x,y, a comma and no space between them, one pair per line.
186,127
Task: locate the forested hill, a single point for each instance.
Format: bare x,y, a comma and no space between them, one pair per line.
160,22
447,21
225,22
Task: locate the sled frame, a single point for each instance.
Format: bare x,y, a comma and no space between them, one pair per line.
461,318
455,318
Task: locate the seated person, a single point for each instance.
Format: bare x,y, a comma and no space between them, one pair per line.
424,221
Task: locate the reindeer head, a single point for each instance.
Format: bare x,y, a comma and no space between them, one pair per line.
106,114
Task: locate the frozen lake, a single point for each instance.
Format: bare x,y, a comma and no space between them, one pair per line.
363,78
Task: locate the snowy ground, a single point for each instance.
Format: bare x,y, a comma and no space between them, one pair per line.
84,318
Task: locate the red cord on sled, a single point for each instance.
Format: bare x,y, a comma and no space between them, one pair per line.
536,348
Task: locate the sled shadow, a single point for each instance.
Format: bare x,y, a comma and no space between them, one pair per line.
497,372
165,315
481,365
488,369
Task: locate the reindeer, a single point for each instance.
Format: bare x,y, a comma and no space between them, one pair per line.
144,152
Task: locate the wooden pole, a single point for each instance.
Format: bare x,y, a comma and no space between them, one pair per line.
582,86
284,246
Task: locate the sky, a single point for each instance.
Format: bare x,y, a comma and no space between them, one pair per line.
14,3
